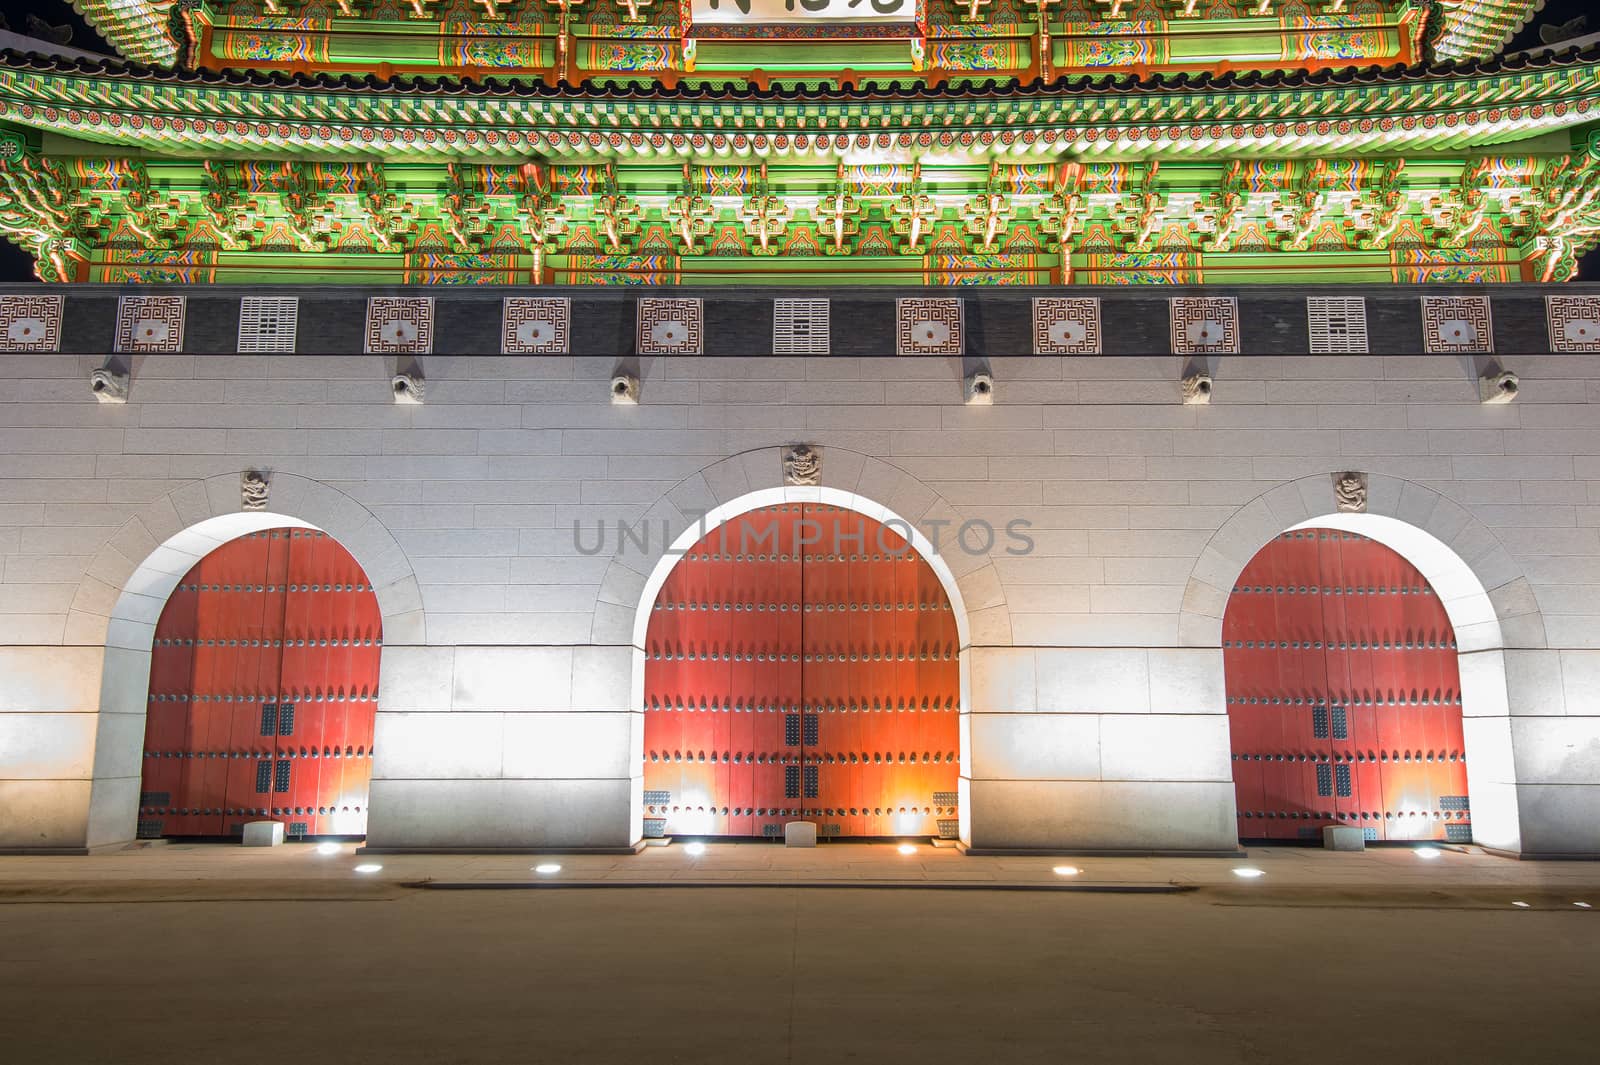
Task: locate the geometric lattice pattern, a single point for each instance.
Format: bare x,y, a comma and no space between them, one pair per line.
1338,324
536,325
1574,322
1456,325
268,323
800,327
925,326
1066,325
30,323
1205,325
670,327
150,323
399,325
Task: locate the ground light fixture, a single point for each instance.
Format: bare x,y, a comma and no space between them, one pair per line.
1066,870
1583,905
1519,904
1429,853
369,867
328,848
547,868
1245,872
908,848
695,850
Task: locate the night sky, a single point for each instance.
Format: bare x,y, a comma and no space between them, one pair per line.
15,265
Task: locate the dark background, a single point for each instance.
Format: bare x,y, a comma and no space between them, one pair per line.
16,265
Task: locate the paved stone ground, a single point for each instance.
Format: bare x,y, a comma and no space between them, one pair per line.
751,864
219,955
663,976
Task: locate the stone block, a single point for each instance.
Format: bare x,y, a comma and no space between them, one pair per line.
1164,747
1343,838
43,814
1079,680
118,744
600,677
1092,815
513,678
438,746
1034,746
263,834
1186,681
531,814
417,678
1558,819
799,834
575,746
1557,750
49,679
47,746
113,810
1002,679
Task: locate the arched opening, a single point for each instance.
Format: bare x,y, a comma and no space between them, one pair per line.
262,692
1344,693
802,662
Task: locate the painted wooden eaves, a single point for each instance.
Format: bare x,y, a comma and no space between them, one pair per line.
138,29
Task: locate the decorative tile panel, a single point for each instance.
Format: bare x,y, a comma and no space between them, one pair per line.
150,323
536,325
1574,322
1338,324
926,326
1066,325
30,323
1205,325
268,323
671,327
800,327
399,325
1456,325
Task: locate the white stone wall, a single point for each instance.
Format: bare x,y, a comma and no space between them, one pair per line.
508,715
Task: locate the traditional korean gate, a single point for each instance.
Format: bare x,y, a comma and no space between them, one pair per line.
263,688
801,665
1344,696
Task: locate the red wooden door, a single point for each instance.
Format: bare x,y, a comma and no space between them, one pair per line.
1344,694
801,665
263,690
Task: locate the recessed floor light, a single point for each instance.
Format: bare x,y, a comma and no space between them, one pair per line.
547,868
369,868
1245,872
1427,852
1583,906
1066,870
1520,905
694,850
908,848
328,848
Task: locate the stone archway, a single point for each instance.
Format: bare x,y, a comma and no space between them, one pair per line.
121,599
1479,584
755,479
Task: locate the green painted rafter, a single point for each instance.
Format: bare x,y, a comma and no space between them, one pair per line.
1478,29
1378,112
138,29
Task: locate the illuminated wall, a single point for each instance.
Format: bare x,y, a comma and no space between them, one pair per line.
512,684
